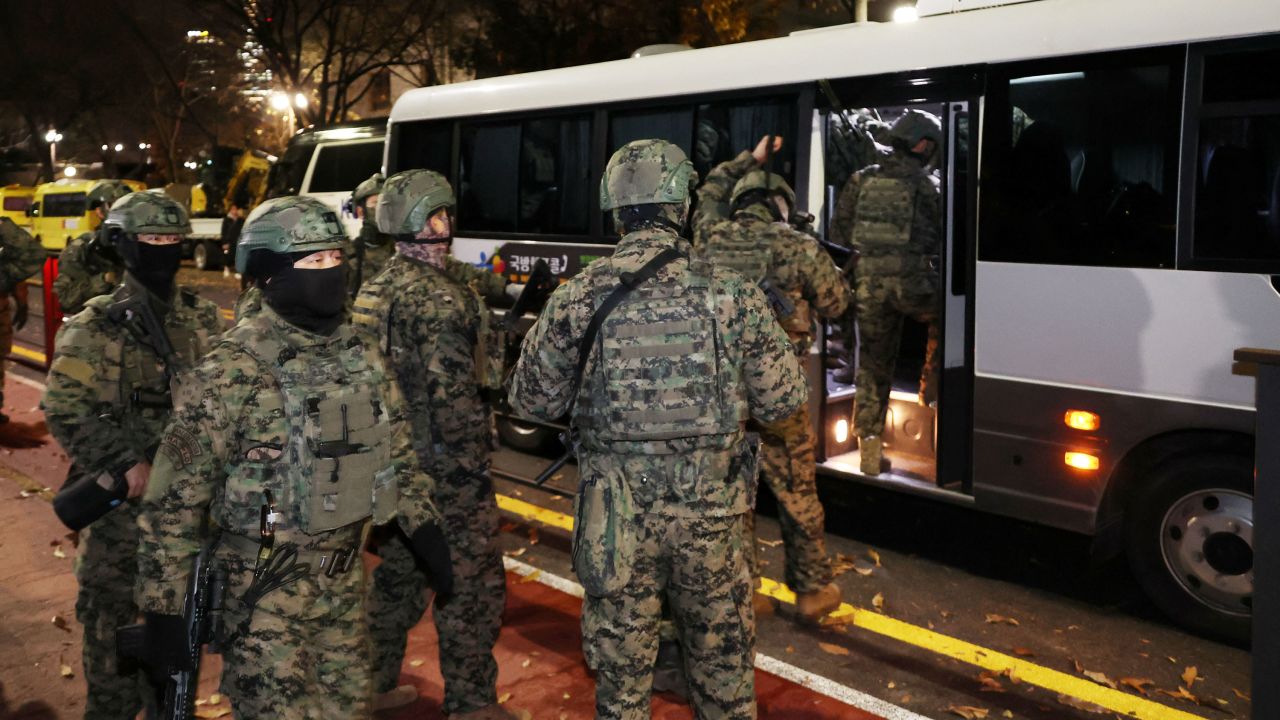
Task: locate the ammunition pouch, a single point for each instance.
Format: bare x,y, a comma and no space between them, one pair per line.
329,562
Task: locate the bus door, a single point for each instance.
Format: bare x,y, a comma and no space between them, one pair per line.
927,428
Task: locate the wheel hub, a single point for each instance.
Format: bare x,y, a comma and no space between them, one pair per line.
1207,542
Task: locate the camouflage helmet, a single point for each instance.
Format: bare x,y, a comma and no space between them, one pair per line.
369,187
289,225
150,212
766,181
916,125
408,198
647,171
105,193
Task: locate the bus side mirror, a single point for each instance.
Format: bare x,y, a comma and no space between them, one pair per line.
33,210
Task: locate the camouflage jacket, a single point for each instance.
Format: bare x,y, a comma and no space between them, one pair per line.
752,353
797,265
367,260
85,270
871,221
108,397
433,327
20,256
234,436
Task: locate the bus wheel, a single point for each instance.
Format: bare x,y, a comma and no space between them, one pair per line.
525,436
206,255
1190,542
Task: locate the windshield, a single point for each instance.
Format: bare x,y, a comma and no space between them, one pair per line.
63,205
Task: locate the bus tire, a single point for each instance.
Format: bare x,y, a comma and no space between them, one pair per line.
526,436
206,255
1189,540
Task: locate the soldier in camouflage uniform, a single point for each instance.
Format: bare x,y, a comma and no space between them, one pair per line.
372,248
108,399
89,265
426,311
20,258
292,439
678,367
754,238
891,214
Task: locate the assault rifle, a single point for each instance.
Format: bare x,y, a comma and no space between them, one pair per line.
136,315
782,306
539,287
202,624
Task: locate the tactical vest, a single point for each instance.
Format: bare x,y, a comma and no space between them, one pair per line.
886,210
334,468
750,252
662,370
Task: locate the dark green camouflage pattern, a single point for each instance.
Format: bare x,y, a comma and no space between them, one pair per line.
647,171
408,198
148,213
87,268
434,327
289,225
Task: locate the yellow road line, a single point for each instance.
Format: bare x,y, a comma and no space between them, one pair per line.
28,353
1027,672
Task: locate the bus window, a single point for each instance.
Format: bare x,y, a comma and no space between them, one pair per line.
725,129
63,205
340,168
1081,163
486,186
1237,200
17,204
427,145
675,125
555,170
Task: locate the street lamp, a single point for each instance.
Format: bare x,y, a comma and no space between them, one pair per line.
300,101
279,101
53,137
119,147
69,171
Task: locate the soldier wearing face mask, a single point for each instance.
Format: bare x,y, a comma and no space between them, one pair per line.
116,368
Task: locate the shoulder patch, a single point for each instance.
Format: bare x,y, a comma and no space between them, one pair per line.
180,446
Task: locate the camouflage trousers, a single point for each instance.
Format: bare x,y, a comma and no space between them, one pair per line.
787,467
105,567
468,624
698,566
6,340
884,300
304,654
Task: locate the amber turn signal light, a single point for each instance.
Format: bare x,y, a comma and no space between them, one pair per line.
1082,420
1082,461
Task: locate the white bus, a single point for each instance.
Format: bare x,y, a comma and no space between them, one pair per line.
1111,180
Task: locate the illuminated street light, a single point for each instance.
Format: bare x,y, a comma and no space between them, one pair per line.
104,148
69,171
905,14
300,101
119,147
279,101
52,136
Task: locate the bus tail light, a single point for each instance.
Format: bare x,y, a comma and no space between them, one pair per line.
1082,420
1082,461
842,430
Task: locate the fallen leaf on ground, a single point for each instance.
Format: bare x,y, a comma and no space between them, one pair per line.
518,552
946,614
1189,676
57,552
1084,705
416,663
791,650
1182,694
60,623
1100,678
833,649
527,662
531,577
533,536
65,670
556,497
771,543
503,698
878,601
993,618
1007,713
891,685
968,712
1172,659
1024,652
566,696
517,493
1139,684
1241,695
875,557
989,682
215,699
863,569
212,712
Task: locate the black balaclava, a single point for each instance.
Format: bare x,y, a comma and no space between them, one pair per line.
314,300
153,265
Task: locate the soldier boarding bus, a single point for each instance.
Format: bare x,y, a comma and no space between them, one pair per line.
1110,193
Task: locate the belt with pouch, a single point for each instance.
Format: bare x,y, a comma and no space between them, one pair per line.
328,562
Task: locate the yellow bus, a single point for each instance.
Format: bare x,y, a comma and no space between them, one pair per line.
14,201
60,210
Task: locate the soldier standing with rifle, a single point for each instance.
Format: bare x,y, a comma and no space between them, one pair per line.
292,441
109,396
20,258
90,266
742,223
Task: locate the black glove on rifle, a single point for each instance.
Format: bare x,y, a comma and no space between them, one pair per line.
429,545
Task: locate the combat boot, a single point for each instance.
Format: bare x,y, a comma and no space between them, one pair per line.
843,375
668,670
394,698
814,606
762,604
871,456
493,712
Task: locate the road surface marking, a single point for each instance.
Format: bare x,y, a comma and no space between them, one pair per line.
935,642
786,671
28,353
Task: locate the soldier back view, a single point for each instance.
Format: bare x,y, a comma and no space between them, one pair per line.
891,214
660,360
789,265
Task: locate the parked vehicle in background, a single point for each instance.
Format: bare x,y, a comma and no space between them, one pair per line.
328,163
14,201
59,211
232,175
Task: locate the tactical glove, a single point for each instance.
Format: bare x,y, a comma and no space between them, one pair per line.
429,545
167,648
20,316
